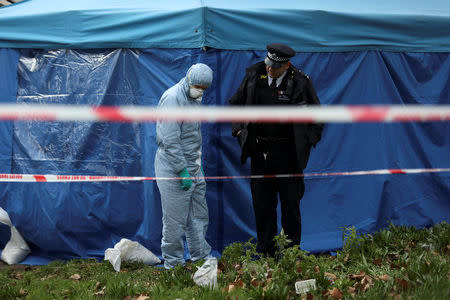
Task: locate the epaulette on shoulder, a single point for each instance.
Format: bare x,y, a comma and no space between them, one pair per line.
300,72
303,74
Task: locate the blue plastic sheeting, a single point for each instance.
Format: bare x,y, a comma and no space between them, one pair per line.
8,88
67,220
314,26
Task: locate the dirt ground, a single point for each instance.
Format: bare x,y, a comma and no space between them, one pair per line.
17,267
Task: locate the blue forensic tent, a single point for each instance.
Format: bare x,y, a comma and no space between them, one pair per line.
118,53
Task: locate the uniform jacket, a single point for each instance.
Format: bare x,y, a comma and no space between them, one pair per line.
305,135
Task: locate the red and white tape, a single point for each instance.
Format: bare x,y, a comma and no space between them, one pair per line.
298,114
88,178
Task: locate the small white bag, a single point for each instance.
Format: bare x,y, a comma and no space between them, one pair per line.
206,275
304,286
127,250
16,249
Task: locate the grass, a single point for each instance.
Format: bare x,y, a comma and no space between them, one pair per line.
397,263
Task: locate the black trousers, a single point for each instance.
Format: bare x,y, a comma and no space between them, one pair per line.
276,158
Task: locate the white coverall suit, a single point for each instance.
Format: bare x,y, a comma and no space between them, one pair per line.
185,212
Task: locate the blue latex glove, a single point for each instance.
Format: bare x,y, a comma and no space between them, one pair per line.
185,182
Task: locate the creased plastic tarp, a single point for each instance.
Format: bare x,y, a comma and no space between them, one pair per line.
308,26
66,220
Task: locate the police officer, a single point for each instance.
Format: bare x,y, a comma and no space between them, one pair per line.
276,148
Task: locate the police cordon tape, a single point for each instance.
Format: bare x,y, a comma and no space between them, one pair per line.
88,178
296,114
300,114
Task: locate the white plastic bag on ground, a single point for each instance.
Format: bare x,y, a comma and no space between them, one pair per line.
113,255
206,275
127,250
305,286
16,249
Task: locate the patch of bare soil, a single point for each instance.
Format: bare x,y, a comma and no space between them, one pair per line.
17,267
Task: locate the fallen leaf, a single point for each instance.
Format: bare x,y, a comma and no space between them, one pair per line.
255,282
384,277
238,276
392,256
75,277
367,279
239,283
377,262
329,276
336,293
142,297
126,298
402,283
346,257
47,277
316,269
358,276
100,293
358,286
394,266
231,288
221,266
23,292
306,296
447,248
366,282
352,290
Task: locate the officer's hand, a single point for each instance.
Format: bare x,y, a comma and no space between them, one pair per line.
242,137
186,182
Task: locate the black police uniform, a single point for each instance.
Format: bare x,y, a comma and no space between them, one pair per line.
276,148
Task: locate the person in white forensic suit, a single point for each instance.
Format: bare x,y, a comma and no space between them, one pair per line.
184,207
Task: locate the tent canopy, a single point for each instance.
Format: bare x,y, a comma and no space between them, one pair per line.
319,26
67,220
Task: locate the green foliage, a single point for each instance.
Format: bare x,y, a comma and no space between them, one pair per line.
9,292
352,240
396,262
